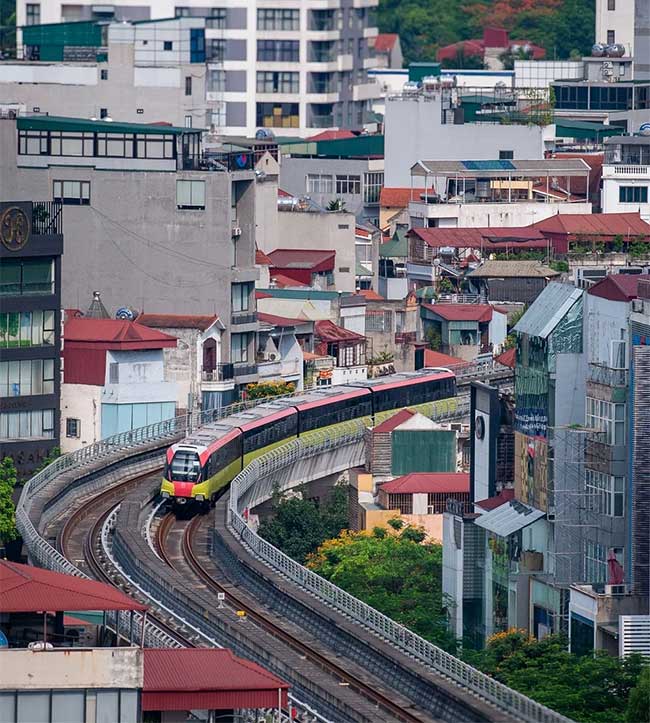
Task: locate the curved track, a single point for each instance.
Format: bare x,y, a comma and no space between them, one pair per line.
179,543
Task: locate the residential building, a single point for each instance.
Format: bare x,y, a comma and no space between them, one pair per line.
346,347
392,281
137,72
146,220
113,379
495,193
31,236
193,365
281,346
615,23
339,168
442,122
367,239
391,327
626,176
388,51
510,281
464,330
312,76
393,207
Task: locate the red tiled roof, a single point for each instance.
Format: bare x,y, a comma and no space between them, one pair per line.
385,42
418,482
370,295
282,280
331,135
388,425
464,47
24,588
115,334
261,259
398,197
462,312
364,233
438,359
602,224
618,287
526,237
178,321
508,358
491,503
280,320
206,678
328,331
301,258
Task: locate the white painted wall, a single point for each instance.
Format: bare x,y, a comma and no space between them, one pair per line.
498,329
141,378
604,321
613,180
452,573
51,73
620,20
82,402
342,375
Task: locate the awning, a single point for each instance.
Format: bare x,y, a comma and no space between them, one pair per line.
509,518
565,128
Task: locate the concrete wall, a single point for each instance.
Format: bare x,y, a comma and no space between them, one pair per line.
620,20
570,389
413,132
334,230
498,329
141,378
82,402
604,321
610,192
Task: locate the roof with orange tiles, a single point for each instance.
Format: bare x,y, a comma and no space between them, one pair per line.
331,135
385,42
461,312
438,359
508,358
398,197
327,330
261,259
491,503
428,482
370,295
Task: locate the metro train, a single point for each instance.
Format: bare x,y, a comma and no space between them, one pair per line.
201,465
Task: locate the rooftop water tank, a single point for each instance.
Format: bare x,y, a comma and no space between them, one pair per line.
615,51
597,50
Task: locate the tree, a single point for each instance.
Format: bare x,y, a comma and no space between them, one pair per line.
393,572
8,480
638,707
587,688
53,454
299,526
262,390
433,338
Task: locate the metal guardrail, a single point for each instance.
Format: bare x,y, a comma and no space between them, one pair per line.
254,484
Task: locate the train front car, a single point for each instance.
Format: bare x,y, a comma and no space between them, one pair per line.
197,468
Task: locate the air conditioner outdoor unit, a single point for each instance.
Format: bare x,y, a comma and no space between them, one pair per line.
236,231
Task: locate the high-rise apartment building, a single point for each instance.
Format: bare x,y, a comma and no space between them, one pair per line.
293,67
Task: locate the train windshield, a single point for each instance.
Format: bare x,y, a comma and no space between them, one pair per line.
185,467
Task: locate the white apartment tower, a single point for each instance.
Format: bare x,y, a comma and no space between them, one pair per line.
295,67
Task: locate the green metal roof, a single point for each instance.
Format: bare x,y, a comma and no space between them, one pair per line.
426,292
565,128
368,145
61,123
303,294
397,247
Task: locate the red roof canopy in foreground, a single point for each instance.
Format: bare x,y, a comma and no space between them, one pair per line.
206,679
26,589
428,482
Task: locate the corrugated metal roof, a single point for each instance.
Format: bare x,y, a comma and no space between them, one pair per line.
178,321
548,309
461,312
618,287
397,247
391,423
518,269
491,503
24,588
551,166
328,331
398,197
603,224
418,482
115,333
302,258
438,359
508,518
63,123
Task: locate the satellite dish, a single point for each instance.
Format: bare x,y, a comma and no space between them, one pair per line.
644,130
125,314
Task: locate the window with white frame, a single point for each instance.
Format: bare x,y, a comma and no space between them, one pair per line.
633,194
33,13
363,252
606,493
372,184
37,424
607,417
595,562
240,296
278,19
190,195
347,184
218,114
73,193
26,377
216,80
319,183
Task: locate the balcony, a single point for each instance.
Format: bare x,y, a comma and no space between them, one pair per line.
244,369
405,337
221,373
47,217
322,121
626,170
601,374
239,318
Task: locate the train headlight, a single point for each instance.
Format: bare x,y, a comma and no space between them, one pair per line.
165,495
199,498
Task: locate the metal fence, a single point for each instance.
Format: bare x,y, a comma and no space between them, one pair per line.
259,474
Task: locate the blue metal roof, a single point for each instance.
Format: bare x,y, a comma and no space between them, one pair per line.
488,165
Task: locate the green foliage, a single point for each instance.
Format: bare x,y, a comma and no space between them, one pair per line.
396,523
262,390
590,689
383,357
336,204
424,26
445,286
8,480
394,573
55,453
300,526
433,338
561,266
638,707
639,249
7,28
521,256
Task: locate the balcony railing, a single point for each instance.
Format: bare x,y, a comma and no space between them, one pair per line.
405,337
244,369
322,121
47,217
601,374
221,373
243,317
323,86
